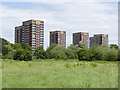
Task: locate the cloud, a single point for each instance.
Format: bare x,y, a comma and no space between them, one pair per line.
92,17
57,1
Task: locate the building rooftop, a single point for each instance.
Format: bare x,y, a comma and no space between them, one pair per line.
33,20
100,34
18,27
81,32
57,31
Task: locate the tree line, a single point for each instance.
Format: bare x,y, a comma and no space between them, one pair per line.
81,52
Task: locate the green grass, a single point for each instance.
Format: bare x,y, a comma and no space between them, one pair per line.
59,74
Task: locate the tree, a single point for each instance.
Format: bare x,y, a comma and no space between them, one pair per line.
111,54
22,55
103,53
26,47
58,52
16,46
48,51
96,52
114,46
119,55
82,54
72,52
4,41
81,44
40,53
7,49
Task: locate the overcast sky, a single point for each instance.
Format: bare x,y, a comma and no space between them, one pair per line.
93,16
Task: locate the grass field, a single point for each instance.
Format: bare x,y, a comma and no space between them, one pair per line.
59,74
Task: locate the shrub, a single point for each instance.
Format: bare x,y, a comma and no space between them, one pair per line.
40,53
49,49
72,52
96,53
21,54
6,49
82,45
67,65
25,46
16,46
114,46
119,55
58,52
111,55
82,54
7,56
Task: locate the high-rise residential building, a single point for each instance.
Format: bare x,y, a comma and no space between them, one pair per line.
18,34
81,36
33,33
99,39
58,37
91,41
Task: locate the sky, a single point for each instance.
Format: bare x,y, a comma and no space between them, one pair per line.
92,16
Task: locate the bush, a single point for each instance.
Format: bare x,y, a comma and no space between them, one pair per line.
111,55
96,53
16,46
82,54
6,49
119,55
40,53
49,49
7,56
58,52
72,52
21,54
114,46
82,45
67,65
25,46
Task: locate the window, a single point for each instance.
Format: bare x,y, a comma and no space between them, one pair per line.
33,24
33,29
33,35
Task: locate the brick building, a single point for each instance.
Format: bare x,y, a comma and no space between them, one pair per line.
81,36
58,37
33,33
18,34
99,39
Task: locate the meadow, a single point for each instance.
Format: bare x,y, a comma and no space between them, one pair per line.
59,74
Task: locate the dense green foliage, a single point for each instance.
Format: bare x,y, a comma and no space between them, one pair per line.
22,54
58,52
59,74
49,49
72,52
40,53
114,46
16,51
7,50
81,52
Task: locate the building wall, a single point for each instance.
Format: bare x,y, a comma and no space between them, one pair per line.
81,36
18,34
99,39
32,33
105,39
91,41
76,38
58,37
